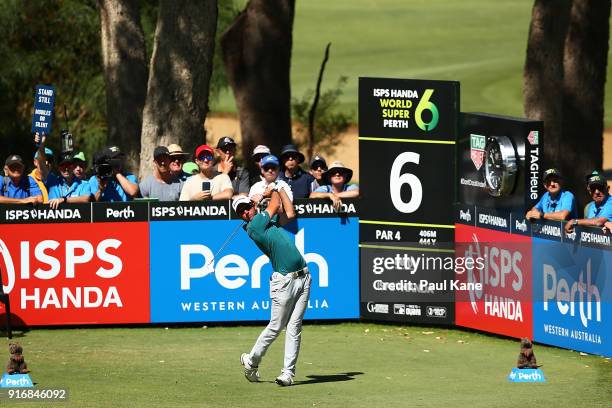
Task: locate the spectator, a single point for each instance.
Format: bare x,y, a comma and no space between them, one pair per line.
80,166
226,149
177,158
336,185
598,211
42,166
270,167
162,184
258,153
219,186
68,188
110,182
15,187
556,203
318,166
191,168
292,173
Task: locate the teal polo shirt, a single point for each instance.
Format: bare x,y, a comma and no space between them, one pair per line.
275,243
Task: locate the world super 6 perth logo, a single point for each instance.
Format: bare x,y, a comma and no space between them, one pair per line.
572,296
189,284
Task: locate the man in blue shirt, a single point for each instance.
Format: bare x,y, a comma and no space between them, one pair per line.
67,188
15,187
598,211
111,182
556,203
291,172
289,283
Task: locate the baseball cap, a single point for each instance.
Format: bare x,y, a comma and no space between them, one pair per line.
318,159
269,159
80,156
551,172
48,154
204,148
596,178
225,141
12,159
66,158
176,150
113,152
160,151
240,200
261,149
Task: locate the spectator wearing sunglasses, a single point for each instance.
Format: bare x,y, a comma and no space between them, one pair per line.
67,188
258,153
162,184
556,203
16,187
226,150
318,167
335,185
299,181
270,168
219,186
177,159
598,211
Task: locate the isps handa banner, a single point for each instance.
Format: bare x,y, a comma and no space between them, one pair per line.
498,294
70,274
190,284
572,296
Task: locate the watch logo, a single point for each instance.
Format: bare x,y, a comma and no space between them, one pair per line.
426,104
477,148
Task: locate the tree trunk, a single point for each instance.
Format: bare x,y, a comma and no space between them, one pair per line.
585,62
543,73
125,74
179,78
257,57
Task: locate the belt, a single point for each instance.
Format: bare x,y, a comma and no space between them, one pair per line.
298,274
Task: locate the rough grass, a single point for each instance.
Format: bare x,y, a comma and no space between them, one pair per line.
350,364
481,43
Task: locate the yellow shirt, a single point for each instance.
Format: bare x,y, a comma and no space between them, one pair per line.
35,174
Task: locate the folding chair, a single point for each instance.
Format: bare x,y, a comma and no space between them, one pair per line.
4,298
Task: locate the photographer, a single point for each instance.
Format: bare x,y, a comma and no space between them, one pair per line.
110,182
68,188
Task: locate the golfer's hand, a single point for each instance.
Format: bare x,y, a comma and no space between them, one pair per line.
256,198
268,192
201,196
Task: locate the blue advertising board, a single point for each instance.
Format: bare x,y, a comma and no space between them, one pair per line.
188,285
572,293
44,101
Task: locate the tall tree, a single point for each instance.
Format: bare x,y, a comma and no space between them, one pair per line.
125,74
257,56
585,64
179,77
543,73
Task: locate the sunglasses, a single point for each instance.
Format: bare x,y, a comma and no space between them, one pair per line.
177,159
594,188
66,167
205,157
15,167
319,168
268,168
243,208
290,157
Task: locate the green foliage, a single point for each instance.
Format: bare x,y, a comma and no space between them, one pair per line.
328,121
53,42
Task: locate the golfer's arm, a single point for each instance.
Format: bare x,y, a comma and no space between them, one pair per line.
287,204
274,204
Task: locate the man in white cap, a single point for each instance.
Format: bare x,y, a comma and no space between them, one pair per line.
289,283
258,153
177,158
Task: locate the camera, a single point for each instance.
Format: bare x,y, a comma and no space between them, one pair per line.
102,165
67,142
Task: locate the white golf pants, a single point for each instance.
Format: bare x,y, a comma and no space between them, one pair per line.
289,301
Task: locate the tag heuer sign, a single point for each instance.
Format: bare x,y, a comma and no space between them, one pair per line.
477,145
533,137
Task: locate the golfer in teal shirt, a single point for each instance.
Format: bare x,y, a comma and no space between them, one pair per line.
289,283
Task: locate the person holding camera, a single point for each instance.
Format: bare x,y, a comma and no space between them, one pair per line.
162,184
15,187
205,185
110,182
556,203
68,188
